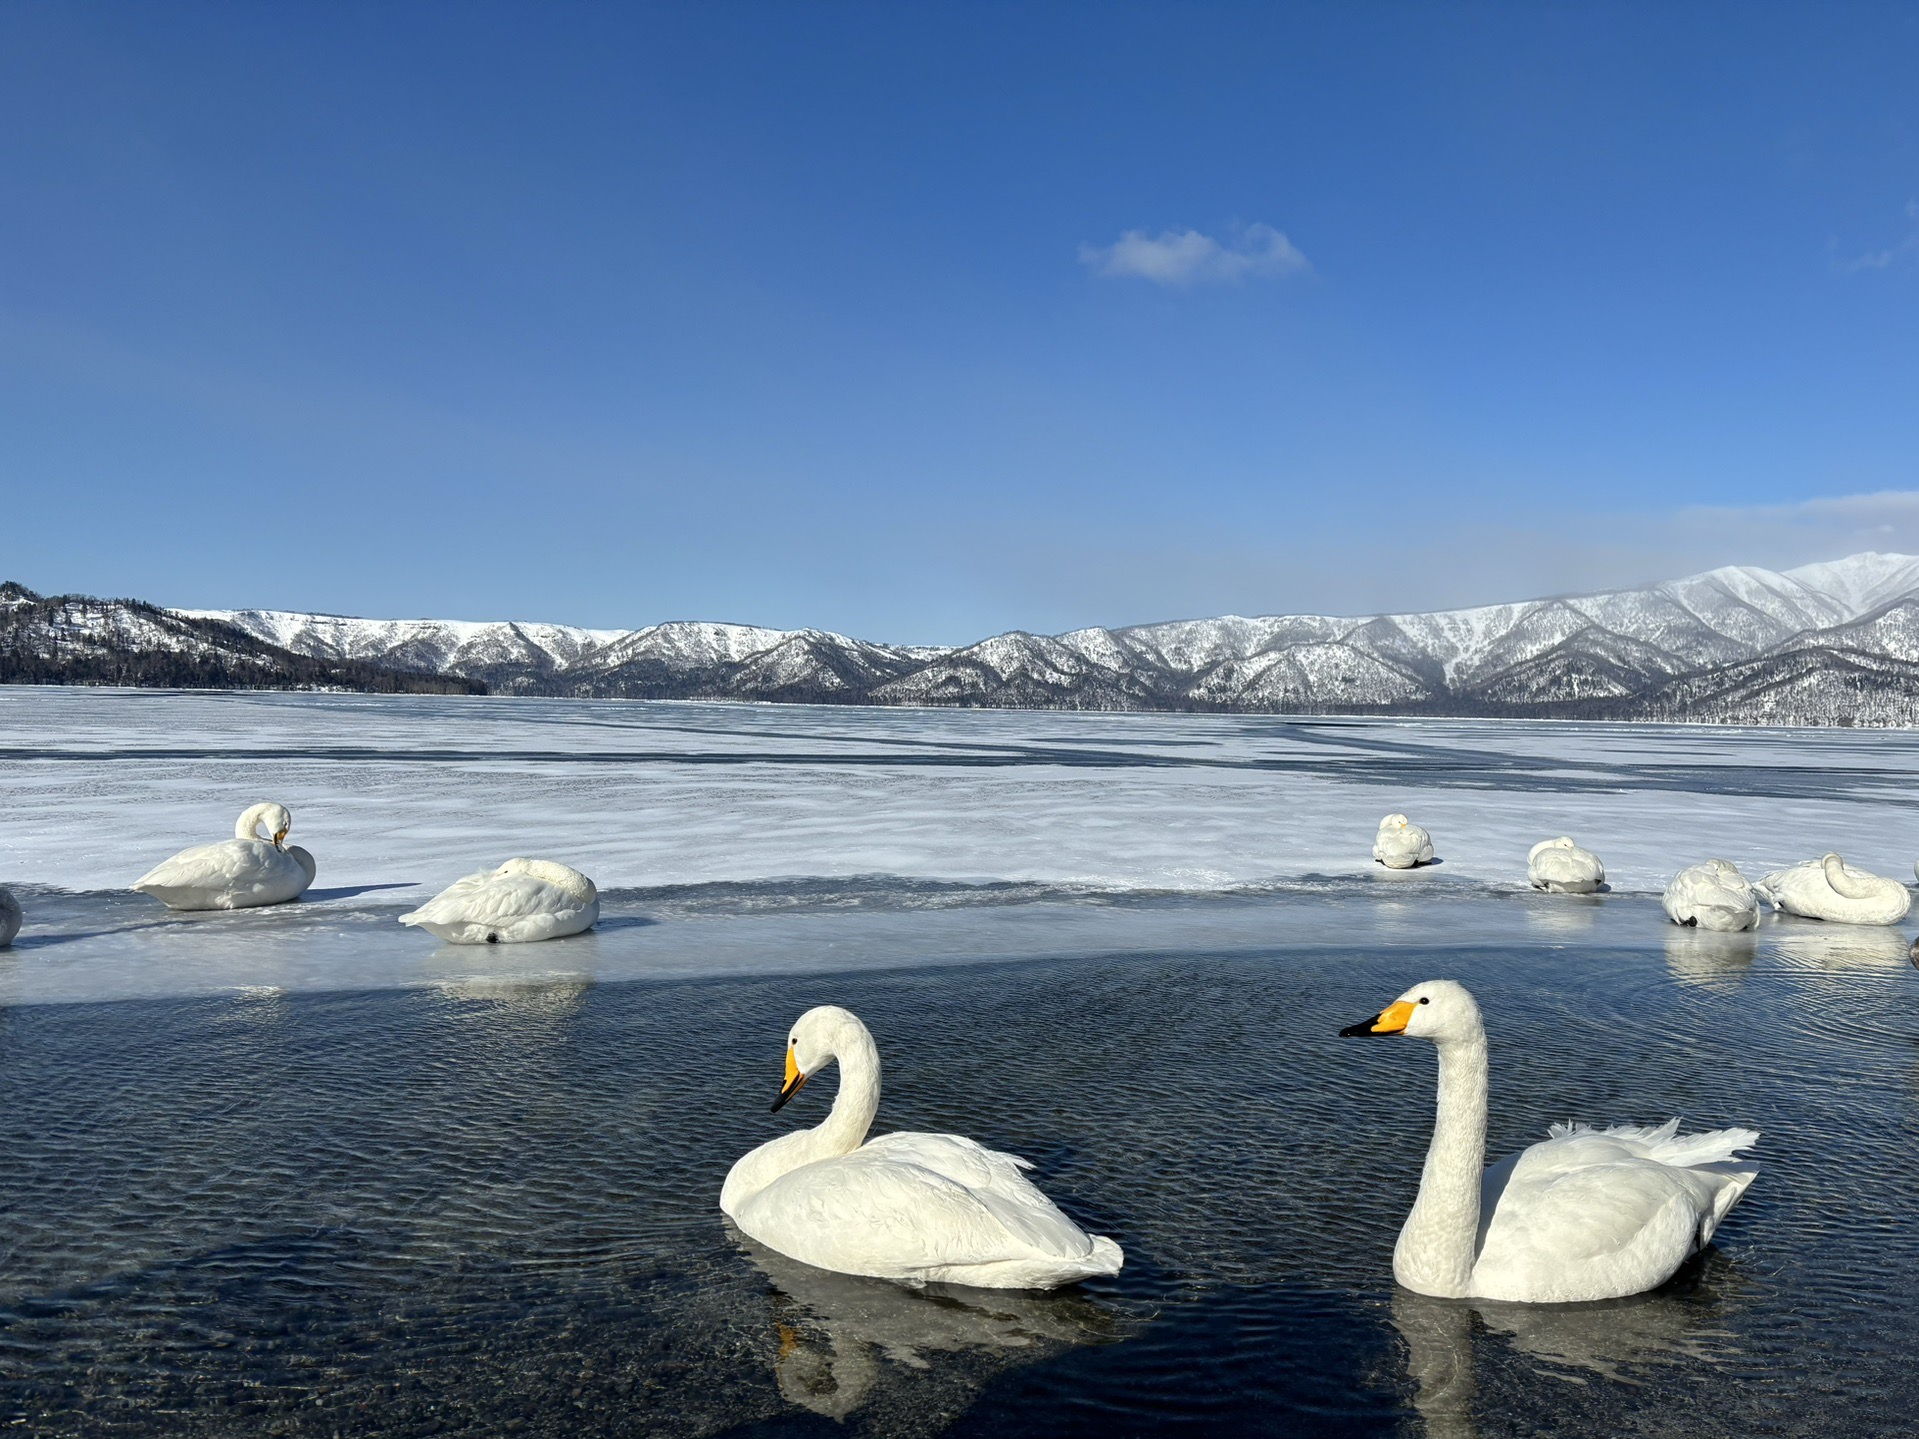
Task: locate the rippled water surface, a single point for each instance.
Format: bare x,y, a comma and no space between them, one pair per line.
487,1205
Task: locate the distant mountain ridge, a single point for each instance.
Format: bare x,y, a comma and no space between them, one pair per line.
1829,643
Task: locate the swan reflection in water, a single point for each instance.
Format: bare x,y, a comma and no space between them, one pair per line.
837,1333
1819,944
1709,956
1681,1323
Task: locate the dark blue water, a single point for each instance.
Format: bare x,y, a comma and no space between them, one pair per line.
491,1209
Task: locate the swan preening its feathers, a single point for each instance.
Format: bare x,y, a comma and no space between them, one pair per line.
1713,895
521,901
1401,844
932,1208
239,873
1563,867
1829,888
1585,1214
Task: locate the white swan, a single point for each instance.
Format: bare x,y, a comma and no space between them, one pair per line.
1563,867
236,873
927,1207
9,918
1829,888
1586,1214
1713,895
521,901
1401,844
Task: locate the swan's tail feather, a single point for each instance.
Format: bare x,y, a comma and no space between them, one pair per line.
1106,1255
1666,1144
1736,1180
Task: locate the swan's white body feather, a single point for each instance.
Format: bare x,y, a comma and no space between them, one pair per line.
1563,867
237,873
1713,895
1401,844
9,918
1831,889
522,901
930,1208
1602,1213
1583,1215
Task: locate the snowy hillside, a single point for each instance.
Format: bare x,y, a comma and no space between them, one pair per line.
1824,643
1829,643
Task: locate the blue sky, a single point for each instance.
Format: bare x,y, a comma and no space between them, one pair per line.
922,322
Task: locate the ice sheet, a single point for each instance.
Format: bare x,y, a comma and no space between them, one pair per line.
397,796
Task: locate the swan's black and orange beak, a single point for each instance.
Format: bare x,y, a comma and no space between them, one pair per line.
279,839
1393,1019
795,1081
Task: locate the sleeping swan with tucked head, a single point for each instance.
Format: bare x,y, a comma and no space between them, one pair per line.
931,1208
1563,867
249,869
1401,844
521,901
1585,1214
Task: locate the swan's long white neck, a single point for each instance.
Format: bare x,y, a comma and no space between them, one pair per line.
247,826
1846,884
1437,1246
844,1128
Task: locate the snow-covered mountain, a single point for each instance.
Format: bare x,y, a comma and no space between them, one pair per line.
1836,642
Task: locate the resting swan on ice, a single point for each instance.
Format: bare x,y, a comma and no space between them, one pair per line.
933,1208
9,918
1401,844
236,873
1586,1214
1563,867
1829,888
521,901
1713,895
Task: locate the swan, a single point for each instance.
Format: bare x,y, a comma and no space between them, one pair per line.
1829,888
930,1208
1585,1214
1563,867
9,918
522,900
236,873
1401,844
1713,895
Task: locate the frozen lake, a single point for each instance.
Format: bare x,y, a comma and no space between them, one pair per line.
724,832
300,1171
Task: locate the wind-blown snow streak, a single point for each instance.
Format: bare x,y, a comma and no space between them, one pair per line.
1835,642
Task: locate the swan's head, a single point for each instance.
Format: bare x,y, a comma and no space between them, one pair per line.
274,818
815,1042
1394,821
1439,1009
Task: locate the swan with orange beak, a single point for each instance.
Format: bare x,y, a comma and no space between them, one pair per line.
924,1208
1584,1214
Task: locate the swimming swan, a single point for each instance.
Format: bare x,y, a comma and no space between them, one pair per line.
1713,895
9,918
236,873
521,901
1563,867
1586,1214
934,1208
1401,844
1829,888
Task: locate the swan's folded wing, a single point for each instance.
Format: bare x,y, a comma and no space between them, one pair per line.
998,1182
491,898
876,1213
207,866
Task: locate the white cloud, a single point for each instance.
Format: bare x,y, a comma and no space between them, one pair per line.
1181,258
1905,248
